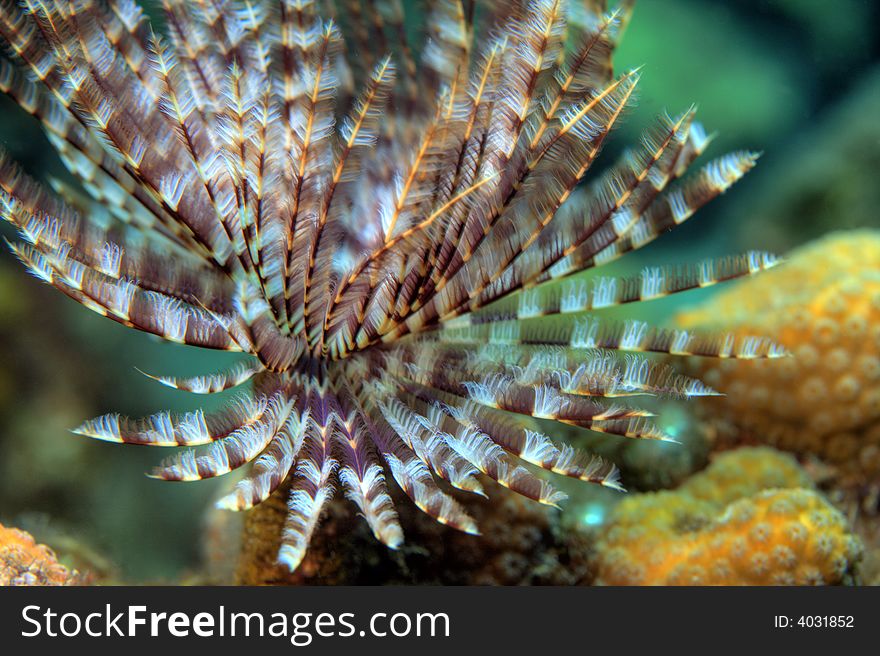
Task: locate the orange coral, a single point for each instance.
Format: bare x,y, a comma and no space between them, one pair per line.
24,562
824,306
701,535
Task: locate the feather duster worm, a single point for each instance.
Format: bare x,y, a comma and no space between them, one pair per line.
356,214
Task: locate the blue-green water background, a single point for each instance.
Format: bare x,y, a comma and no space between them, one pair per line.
796,79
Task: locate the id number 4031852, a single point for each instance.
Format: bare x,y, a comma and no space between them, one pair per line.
814,622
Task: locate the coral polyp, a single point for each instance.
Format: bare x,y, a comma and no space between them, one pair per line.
751,518
776,537
390,233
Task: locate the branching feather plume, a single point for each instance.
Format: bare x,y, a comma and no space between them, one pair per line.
382,228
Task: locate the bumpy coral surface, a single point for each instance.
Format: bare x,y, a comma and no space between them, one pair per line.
824,306
24,562
702,534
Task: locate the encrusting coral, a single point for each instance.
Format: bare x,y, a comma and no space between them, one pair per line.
823,305
777,537
725,527
24,562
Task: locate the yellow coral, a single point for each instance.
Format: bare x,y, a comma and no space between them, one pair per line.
824,306
24,562
742,473
701,534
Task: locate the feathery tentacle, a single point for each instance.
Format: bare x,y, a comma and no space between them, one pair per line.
389,230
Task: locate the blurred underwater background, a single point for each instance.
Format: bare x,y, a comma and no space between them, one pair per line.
799,81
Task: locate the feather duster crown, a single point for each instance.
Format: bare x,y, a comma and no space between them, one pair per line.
382,233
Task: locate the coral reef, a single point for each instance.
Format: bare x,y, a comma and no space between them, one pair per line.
399,277
777,537
824,306
725,528
24,562
749,518
521,543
